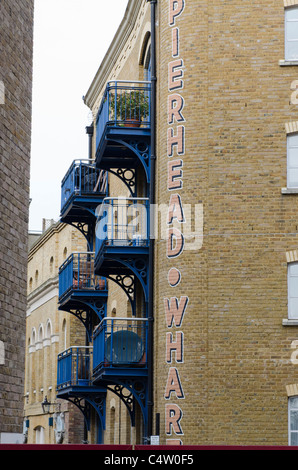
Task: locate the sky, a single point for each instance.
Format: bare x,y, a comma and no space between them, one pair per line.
71,38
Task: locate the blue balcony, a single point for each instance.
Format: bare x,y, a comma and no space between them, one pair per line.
74,372
74,368
120,348
77,281
74,383
123,126
82,190
122,231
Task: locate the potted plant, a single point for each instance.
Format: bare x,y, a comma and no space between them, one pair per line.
128,107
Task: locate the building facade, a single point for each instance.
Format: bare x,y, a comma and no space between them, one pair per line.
16,47
196,226
48,333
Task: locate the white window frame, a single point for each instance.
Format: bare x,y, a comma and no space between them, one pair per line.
290,276
287,21
291,409
289,147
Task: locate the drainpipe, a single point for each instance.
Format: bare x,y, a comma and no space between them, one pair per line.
152,202
89,131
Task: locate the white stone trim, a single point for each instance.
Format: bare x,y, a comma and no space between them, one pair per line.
290,3
41,296
291,127
292,256
292,390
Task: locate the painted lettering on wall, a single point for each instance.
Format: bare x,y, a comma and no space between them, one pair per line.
174,308
294,95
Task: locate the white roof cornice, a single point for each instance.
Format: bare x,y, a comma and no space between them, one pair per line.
109,60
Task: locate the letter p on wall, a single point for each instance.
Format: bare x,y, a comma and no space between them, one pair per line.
176,8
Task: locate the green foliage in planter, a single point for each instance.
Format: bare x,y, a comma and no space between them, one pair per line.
132,104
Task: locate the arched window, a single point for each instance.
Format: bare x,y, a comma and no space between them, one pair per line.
33,337
48,329
51,264
112,421
129,309
40,333
145,56
39,435
147,65
64,335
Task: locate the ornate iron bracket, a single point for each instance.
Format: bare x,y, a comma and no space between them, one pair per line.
84,316
86,230
84,313
84,406
141,149
98,402
139,267
127,176
127,283
98,306
136,391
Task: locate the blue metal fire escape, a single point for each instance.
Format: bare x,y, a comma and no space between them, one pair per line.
117,232
123,138
81,292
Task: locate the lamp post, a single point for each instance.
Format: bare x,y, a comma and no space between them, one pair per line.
58,419
46,405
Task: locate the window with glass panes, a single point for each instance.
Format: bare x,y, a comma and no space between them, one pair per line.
292,160
291,34
293,421
293,290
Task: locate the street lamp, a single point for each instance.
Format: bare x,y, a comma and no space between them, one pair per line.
46,405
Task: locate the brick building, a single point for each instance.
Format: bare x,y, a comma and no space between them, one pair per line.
15,139
48,333
214,282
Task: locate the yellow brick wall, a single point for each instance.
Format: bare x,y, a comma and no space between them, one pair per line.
236,365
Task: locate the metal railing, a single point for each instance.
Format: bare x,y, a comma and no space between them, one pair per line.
122,222
74,367
120,342
77,274
124,103
83,179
